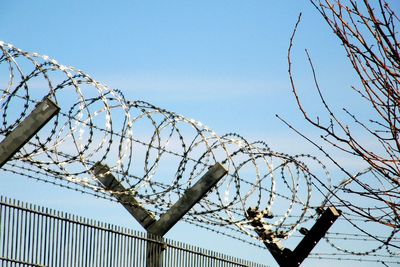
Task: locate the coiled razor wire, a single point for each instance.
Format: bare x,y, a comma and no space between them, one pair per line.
156,154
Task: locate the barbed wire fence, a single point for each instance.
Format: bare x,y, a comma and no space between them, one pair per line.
157,154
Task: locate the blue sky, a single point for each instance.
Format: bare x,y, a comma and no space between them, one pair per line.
221,62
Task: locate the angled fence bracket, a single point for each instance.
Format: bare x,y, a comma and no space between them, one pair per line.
188,200
31,125
158,228
105,177
286,257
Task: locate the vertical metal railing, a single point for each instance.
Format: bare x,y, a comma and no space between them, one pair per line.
37,236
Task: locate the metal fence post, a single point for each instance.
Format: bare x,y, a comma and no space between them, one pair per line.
284,256
16,139
156,229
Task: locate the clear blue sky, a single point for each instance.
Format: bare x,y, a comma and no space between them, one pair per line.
220,62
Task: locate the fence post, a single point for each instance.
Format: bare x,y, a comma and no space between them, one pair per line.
284,256
17,138
109,182
187,201
156,229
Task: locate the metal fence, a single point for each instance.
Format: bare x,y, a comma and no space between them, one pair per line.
37,236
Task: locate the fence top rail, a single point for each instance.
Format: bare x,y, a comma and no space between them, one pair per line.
118,230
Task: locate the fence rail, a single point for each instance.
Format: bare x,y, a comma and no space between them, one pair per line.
38,236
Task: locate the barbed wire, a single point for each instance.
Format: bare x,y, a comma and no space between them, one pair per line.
157,154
